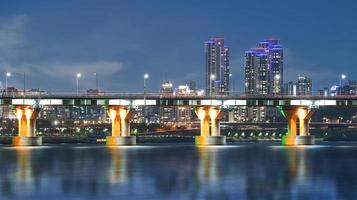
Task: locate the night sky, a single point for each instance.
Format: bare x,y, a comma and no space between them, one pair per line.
121,40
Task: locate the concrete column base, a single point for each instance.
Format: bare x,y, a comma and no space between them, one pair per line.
27,141
305,140
121,140
210,140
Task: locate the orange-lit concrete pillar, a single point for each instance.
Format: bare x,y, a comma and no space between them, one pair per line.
114,116
125,115
216,115
26,117
209,136
203,116
289,112
304,114
120,117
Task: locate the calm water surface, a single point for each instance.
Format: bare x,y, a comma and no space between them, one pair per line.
243,171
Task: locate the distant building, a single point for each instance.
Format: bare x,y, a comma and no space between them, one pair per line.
167,88
263,76
304,86
264,69
95,92
167,113
192,85
217,67
350,88
290,88
324,92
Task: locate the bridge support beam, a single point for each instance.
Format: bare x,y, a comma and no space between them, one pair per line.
120,117
292,113
26,117
304,114
209,135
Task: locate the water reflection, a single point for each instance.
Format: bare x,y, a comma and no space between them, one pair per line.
118,171
179,172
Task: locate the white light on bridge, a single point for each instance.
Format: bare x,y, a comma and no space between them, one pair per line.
23,102
119,102
325,103
51,102
235,103
313,103
140,102
301,102
210,102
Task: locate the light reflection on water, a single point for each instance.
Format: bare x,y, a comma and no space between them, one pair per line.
245,171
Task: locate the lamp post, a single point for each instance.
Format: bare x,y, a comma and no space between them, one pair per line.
212,77
343,77
230,77
7,75
146,76
96,81
78,76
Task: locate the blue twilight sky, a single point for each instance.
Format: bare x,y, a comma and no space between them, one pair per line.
122,39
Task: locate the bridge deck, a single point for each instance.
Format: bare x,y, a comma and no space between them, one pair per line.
174,100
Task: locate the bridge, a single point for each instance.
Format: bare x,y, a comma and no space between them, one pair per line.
296,110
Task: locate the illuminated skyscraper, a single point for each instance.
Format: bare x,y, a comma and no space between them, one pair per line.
264,69
217,67
304,86
263,75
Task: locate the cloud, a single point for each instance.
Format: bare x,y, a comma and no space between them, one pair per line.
17,56
86,67
13,42
295,65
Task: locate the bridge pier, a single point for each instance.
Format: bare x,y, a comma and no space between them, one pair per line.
304,114
120,117
209,135
292,113
26,117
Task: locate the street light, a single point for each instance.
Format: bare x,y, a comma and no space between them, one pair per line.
146,76
212,77
343,77
8,74
77,79
230,76
96,81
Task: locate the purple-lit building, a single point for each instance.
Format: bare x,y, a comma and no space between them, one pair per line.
264,76
264,69
217,67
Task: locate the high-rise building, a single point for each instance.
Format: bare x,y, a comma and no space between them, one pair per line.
192,85
217,67
264,69
289,89
264,76
167,113
303,86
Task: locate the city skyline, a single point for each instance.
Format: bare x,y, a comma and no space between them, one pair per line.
51,49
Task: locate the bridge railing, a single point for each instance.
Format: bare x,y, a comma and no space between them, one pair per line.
148,95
